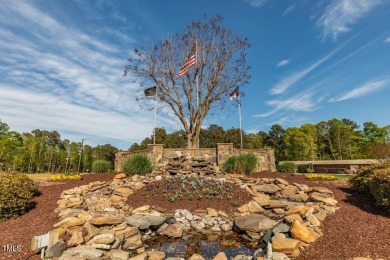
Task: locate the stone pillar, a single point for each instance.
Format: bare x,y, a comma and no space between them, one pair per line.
271,160
224,150
155,153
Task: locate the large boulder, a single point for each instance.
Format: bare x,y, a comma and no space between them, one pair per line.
145,221
254,223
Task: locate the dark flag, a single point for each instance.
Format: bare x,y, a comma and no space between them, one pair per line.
187,64
149,92
234,94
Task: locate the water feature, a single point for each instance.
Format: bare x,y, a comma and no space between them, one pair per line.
206,245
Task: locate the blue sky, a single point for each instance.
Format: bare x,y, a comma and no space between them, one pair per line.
62,63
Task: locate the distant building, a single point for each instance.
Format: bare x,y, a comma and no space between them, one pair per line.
335,166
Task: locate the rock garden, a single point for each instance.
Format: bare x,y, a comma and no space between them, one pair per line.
120,219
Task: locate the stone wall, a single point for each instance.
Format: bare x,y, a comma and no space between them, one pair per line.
160,155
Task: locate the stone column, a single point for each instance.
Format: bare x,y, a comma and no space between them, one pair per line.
155,153
224,150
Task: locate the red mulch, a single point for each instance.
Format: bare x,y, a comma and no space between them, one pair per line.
357,229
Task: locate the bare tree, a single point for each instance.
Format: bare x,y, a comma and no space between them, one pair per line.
220,68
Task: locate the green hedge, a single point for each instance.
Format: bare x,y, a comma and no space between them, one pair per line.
137,164
16,192
375,181
243,163
286,167
101,166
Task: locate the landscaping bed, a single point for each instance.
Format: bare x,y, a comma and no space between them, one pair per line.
357,229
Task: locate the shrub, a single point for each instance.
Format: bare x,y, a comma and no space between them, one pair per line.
66,177
100,166
137,164
375,181
16,192
286,167
243,163
302,168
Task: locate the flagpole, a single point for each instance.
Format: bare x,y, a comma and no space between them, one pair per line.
197,82
155,116
239,113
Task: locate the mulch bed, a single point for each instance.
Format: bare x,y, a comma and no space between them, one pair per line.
357,229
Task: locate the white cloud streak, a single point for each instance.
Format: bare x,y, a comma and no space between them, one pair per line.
256,3
300,102
341,14
282,63
362,90
289,9
290,80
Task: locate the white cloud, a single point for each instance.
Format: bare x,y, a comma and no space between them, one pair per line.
283,63
289,9
362,90
288,81
387,39
288,120
341,14
256,3
300,102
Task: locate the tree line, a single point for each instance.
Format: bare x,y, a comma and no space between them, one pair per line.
45,151
327,140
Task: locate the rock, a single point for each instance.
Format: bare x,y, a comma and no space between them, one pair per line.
276,204
156,255
73,202
300,209
293,217
243,209
313,220
106,239
300,232
320,215
101,246
141,209
91,229
76,239
215,228
173,230
142,256
123,191
120,176
281,181
288,246
279,256
196,257
133,242
56,250
254,207
72,230
220,256
145,221
118,254
303,187
69,222
105,221
262,199
83,252
254,223
212,212
242,257
280,228
289,191
323,190
322,197
127,232
268,188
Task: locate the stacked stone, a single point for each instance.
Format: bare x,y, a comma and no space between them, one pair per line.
188,165
95,223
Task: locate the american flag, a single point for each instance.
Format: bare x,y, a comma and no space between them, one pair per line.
187,64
